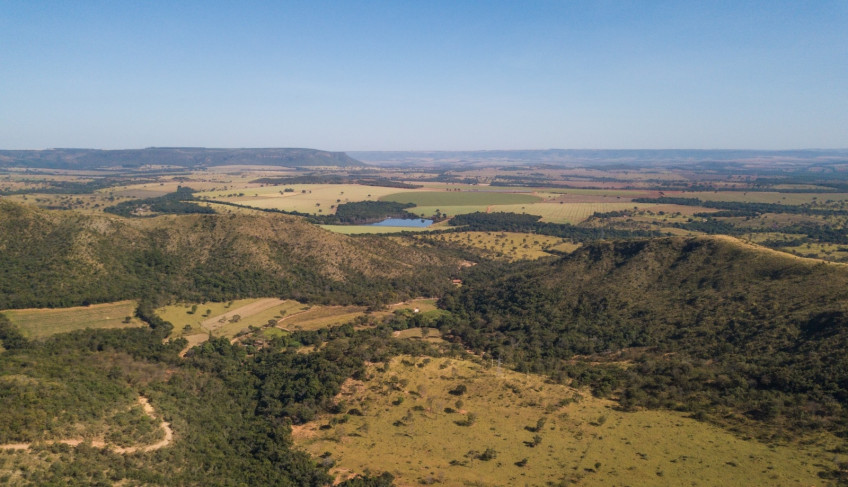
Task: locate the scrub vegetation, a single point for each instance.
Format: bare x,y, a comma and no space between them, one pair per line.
631,324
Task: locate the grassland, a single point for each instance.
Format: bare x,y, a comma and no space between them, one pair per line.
195,321
266,317
460,198
514,429
318,317
40,323
763,197
507,245
304,198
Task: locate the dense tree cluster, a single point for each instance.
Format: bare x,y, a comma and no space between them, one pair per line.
515,222
177,203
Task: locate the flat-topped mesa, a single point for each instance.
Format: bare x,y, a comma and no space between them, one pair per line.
181,157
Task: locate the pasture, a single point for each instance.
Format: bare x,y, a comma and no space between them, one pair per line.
762,197
41,323
313,199
507,245
266,317
565,212
318,317
371,229
455,422
460,198
226,318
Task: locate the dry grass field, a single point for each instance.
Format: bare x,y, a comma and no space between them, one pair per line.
305,198
40,323
266,317
195,321
455,422
461,198
508,245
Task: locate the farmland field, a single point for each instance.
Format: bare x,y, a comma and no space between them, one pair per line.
362,229
506,428
762,197
40,323
459,198
304,198
219,318
318,317
195,321
508,245
565,213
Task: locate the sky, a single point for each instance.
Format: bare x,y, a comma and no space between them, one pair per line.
424,75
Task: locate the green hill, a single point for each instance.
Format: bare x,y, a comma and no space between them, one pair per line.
50,258
708,325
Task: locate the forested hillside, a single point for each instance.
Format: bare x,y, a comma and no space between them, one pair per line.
50,259
707,325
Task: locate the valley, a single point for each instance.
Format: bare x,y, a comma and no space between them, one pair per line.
556,324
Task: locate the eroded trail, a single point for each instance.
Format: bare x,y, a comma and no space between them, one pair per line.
148,409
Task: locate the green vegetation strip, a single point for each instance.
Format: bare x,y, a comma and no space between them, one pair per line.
40,323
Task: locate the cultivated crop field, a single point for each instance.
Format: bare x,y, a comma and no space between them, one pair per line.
454,422
40,323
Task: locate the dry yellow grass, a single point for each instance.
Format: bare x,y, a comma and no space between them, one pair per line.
305,198
414,428
508,245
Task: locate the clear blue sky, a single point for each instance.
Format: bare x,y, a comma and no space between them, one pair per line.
429,75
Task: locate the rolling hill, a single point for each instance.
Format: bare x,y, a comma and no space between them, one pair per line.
53,258
701,324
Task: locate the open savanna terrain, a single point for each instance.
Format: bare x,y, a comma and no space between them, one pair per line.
303,198
269,317
562,339
455,422
225,318
43,322
320,317
506,245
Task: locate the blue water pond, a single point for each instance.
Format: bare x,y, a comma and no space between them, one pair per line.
404,222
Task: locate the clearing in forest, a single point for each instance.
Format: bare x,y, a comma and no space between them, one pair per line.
195,321
43,322
428,420
508,245
460,198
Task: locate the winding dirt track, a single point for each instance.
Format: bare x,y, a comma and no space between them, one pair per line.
148,409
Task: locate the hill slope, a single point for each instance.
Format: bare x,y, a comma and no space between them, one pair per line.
65,258
705,322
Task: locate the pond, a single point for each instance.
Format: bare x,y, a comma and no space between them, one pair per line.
404,222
